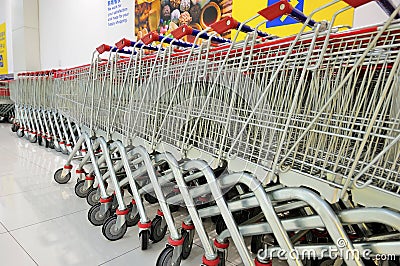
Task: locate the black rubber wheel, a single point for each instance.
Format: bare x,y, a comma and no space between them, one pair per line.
150,199
165,258
256,244
215,219
110,231
14,128
57,147
157,231
220,225
40,141
51,144
64,150
80,189
187,244
94,215
144,236
132,218
20,133
92,197
59,179
32,138
222,258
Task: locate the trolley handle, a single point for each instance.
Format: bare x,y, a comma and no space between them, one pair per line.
185,30
387,5
127,43
283,7
107,48
229,23
155,37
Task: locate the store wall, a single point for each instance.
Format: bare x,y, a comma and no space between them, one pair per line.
70,30
5,17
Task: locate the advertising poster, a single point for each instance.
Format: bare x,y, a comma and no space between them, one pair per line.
164,16
286,25
118,12
3,50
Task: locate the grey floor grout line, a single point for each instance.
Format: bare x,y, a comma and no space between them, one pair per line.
47,220
4,228
118,256
23,248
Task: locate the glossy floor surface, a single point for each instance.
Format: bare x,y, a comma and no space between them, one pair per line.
44,223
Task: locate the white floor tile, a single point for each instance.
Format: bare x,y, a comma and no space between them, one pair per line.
13,183
22,209
72,240
12,253
149,257
2,229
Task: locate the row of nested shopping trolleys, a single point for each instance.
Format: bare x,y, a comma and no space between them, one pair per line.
291,141
6,104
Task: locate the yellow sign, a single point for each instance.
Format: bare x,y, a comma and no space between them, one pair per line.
3,50
285,26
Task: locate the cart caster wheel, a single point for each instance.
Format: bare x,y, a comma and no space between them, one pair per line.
59,179
157,231
14,128
20,133
222,257
220,226
256,243
64,151
92,196
173,208
51,144
80,189
150,199
145,236
32,138
165,258
57,147
110,230
95,217
187,243
132,218
10,119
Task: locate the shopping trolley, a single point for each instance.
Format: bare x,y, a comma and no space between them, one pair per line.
349,61
6,104
317,110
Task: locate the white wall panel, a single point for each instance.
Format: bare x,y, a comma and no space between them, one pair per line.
70,30
5,16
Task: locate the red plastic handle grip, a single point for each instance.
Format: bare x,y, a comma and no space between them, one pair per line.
276,10
122,43
103,48
357,3
225,24
150,37
182,31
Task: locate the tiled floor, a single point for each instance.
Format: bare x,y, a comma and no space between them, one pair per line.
44,223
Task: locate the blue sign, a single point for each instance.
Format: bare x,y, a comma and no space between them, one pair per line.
285,20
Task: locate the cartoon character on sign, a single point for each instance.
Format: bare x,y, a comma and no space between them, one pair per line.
285,20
